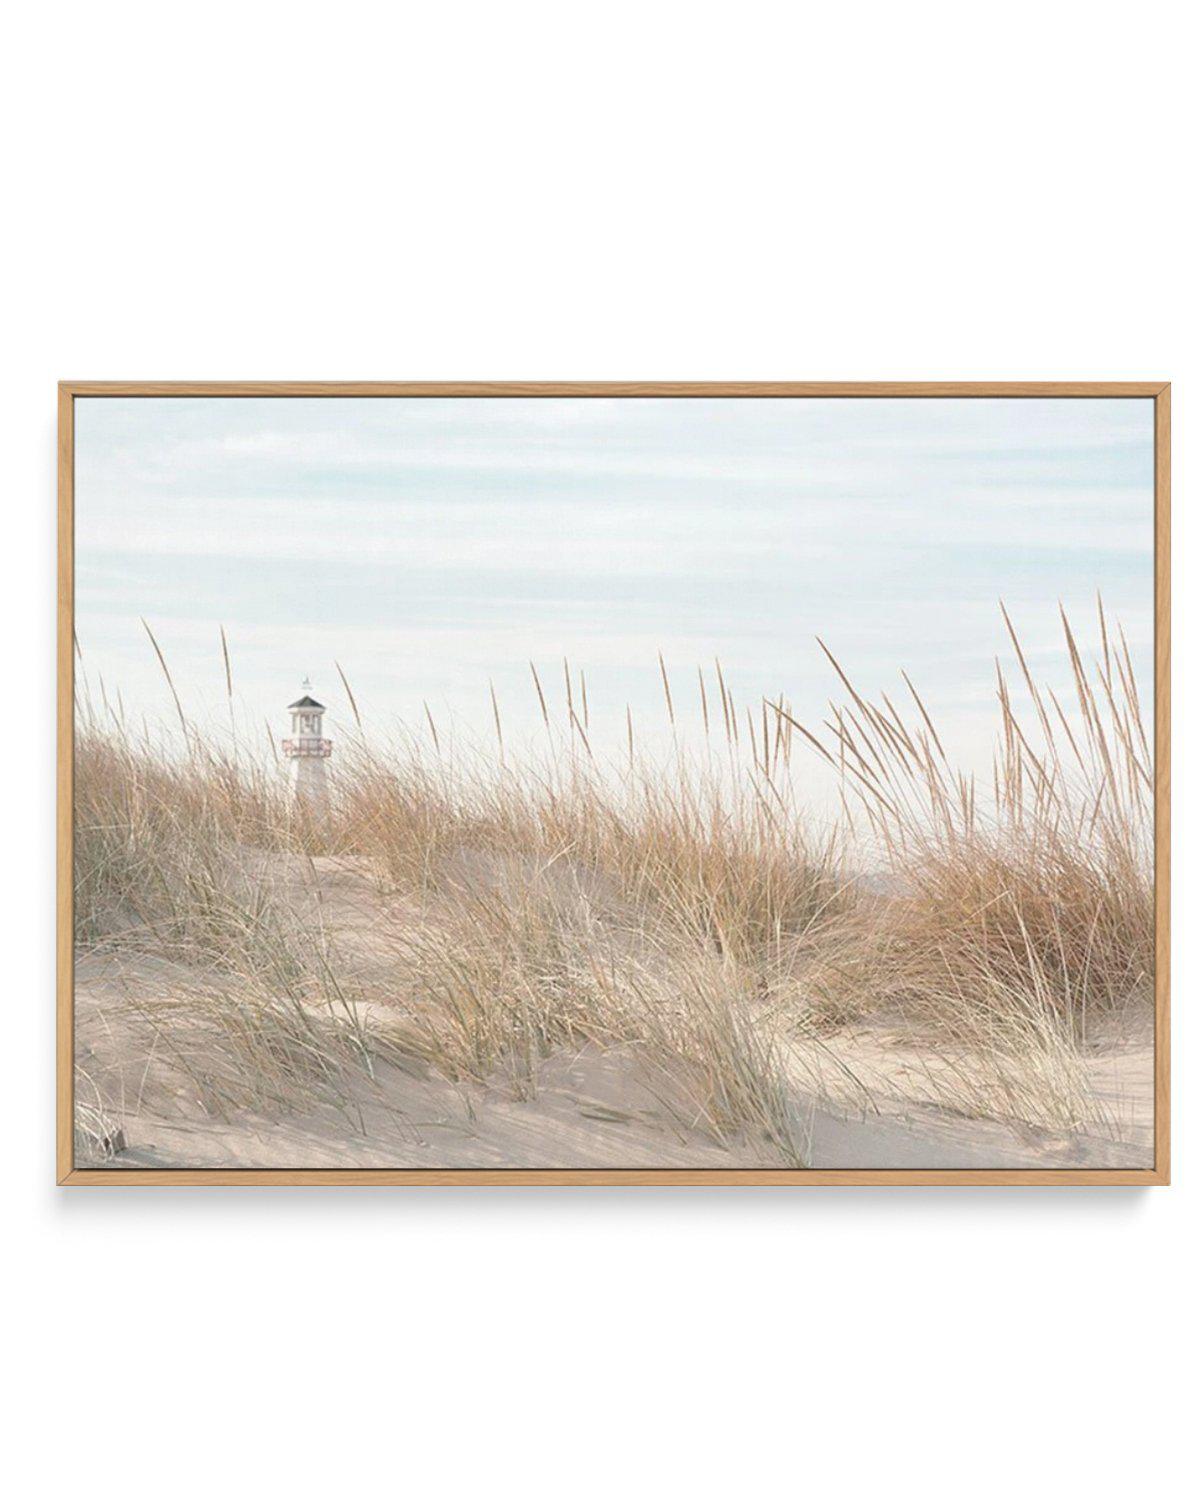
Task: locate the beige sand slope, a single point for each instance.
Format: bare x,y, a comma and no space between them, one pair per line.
867,1097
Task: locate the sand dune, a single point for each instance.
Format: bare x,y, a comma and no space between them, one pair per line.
558,964
865,1096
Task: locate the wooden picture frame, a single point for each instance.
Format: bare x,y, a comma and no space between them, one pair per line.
70,1175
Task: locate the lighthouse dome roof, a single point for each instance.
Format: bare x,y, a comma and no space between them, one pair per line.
306,703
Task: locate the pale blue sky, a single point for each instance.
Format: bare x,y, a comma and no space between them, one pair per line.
431,545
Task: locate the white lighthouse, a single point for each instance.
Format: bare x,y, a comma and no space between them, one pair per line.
308,750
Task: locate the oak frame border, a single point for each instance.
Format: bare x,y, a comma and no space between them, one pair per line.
69,1175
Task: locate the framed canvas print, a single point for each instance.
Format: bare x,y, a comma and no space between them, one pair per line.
613,783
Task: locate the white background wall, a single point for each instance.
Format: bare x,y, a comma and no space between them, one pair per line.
616,191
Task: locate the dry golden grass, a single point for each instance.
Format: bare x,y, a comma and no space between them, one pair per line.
1023,917
684,910
552,906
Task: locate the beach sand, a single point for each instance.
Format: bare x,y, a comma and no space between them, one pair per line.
861,1097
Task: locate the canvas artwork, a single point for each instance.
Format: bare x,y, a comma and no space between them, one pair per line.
609,784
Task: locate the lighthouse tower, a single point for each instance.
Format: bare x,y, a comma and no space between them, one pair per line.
308,749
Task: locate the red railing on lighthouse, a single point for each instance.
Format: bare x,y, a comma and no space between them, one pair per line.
307,745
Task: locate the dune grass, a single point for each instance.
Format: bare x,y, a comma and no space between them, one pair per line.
1034,898
687,910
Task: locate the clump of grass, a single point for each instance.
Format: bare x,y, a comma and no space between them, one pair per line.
524,964
98,1132
165,848
729,864
503,973
722,1046
725,862
262,1041
1028,905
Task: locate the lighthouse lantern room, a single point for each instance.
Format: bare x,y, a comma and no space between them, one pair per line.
307,748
